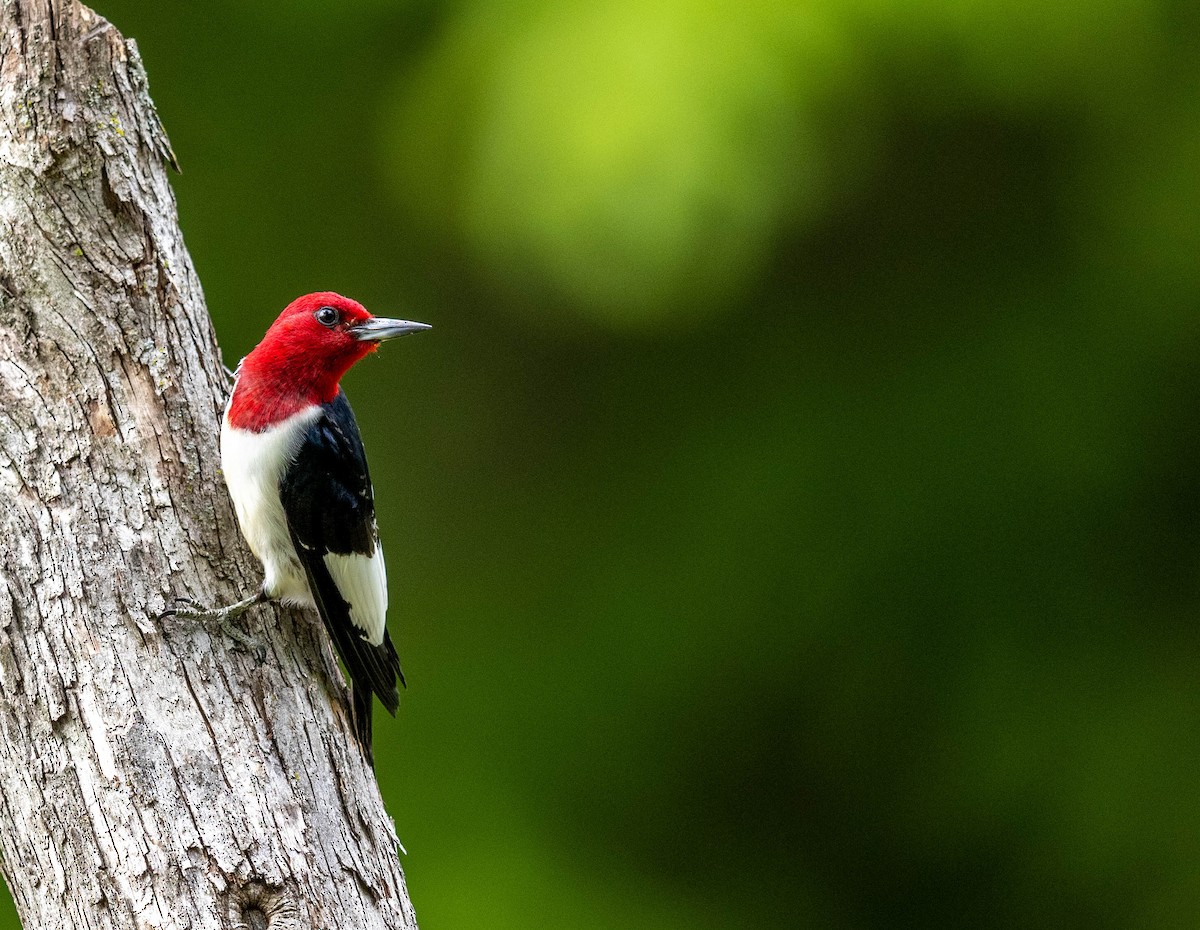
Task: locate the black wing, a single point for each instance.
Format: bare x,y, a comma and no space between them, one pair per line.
326,495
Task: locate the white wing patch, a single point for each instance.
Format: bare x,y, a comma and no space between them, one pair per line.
362,582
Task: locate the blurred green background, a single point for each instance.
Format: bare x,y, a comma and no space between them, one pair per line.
794,516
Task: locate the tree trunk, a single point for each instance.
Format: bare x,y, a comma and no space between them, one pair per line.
152,774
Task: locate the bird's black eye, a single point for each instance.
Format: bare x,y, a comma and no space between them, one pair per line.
328,316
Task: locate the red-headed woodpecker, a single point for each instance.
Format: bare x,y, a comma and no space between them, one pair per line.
296,470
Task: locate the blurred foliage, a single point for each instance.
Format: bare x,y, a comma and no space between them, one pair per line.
628,161
795,513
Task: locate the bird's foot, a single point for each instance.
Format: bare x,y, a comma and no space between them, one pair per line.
188,609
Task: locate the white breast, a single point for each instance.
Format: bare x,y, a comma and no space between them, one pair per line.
253,464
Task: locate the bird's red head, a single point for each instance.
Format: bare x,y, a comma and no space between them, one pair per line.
303,356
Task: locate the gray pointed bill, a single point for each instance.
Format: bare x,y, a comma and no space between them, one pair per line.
378,328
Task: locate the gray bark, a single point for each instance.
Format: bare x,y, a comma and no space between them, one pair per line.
151,774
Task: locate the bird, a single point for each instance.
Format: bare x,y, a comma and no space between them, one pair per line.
294,464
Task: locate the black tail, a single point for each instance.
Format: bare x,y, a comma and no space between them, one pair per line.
363,699
374,671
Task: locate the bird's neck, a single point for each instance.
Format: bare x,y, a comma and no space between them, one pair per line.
269,391
285,375
258,404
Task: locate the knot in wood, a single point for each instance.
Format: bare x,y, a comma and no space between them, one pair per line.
258,906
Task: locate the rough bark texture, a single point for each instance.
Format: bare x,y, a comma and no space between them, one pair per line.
151,774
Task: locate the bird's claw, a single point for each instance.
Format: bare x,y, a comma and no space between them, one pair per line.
244,643
180,609
187,608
